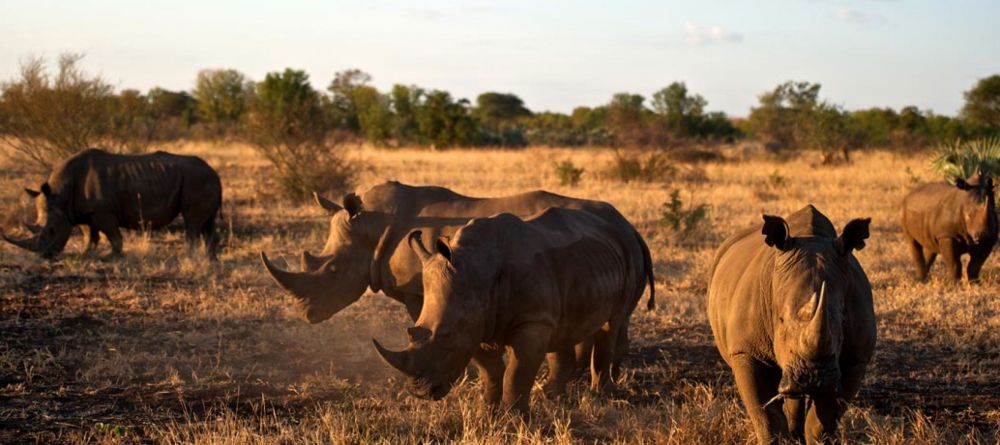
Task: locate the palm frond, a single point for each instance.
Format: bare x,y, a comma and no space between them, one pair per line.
964,159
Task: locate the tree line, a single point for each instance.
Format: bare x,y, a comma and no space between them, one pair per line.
46,115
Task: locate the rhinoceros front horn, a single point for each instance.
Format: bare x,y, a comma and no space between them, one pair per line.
397,359
301,284
27,244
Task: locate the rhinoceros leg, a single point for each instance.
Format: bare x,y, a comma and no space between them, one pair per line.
917,253
758,384
527,350
108,225
91,238
490,367
603,358
976,260
562,368
952,259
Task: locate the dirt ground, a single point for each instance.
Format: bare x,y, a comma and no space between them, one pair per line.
165,347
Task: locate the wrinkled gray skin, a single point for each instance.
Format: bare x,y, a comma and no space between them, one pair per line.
530,286
366,248
951,221
106,192
791,311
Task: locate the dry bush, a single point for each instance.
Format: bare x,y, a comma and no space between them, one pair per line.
635,166
50,117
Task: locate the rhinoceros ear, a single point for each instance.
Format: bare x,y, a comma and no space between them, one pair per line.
854,236
330,206
32,193
775,232
442,247
352,203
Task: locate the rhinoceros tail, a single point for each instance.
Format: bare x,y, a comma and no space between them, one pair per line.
647,259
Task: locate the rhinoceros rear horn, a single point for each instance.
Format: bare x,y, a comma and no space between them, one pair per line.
27,244
775,231
308,262
33,228
854,235
397,359
330,206
416,243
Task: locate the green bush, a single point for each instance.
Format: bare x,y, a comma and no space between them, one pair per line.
568,173
680,220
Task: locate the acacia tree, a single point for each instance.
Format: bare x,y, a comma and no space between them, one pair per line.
286,123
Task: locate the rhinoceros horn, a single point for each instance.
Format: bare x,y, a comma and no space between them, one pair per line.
33,228
397,359
310,262
301,284
27,244
414,240
815,337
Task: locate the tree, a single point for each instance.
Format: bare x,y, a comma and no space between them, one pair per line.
496,109
174,110
50,117
404,102
286,123
444,122
982,102
783,112
624,118
222,96
682,114
344,98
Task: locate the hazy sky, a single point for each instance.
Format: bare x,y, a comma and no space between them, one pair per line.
554,54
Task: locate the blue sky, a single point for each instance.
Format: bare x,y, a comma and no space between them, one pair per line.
554,54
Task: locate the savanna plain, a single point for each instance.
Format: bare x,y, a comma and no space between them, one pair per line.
166,347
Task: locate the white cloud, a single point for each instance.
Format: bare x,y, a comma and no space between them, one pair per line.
858,17
695,34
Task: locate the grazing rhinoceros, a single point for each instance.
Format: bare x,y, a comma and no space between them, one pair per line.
791,311
543,284
951,220
365,247
106,191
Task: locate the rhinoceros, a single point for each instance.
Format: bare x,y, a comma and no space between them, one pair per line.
105,192
951,220
791,311
532,286
365,248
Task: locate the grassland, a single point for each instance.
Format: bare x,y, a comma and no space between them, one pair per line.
162,347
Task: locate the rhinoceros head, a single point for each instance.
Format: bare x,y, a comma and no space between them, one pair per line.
809,285
340,274
452,322
978,206
52,228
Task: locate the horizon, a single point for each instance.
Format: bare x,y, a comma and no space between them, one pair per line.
864,53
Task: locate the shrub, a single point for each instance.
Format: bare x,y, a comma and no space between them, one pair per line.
964,159
636,167
568,173
50,117
679,220
286,124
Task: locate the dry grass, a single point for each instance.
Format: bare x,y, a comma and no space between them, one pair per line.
163,347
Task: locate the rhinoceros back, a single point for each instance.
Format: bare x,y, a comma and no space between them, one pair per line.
141,191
